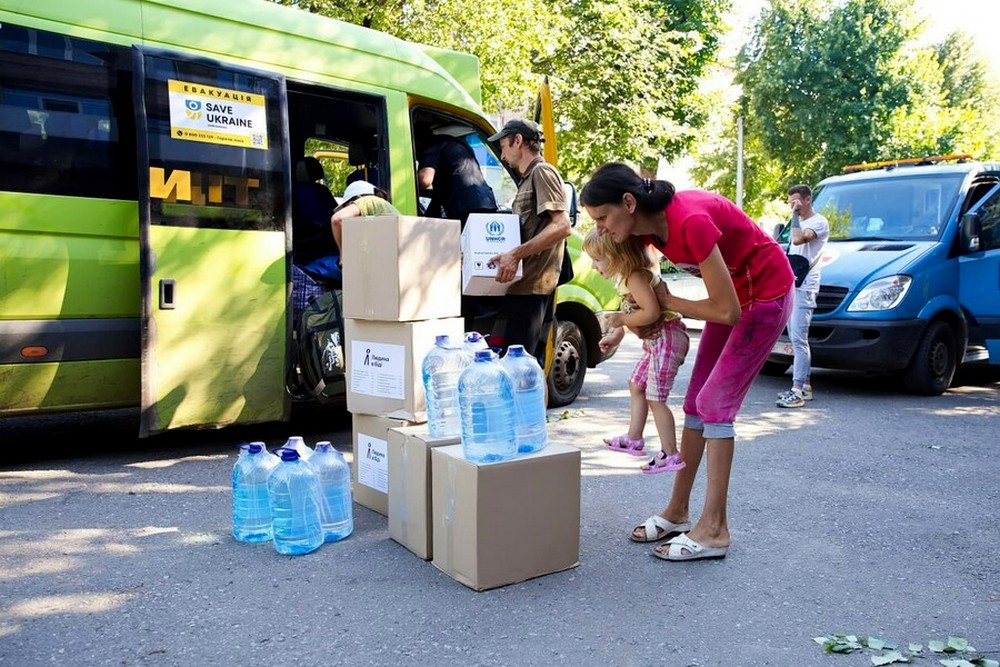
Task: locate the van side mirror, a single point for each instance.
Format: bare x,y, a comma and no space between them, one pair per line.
571,206
968,232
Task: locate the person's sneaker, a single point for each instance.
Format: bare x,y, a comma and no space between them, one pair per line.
807,393
791,399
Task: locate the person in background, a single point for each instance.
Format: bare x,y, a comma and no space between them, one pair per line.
448,168
663,349
749,285
361,198
540,203
809,233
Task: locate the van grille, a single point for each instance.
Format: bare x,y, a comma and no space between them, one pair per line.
829,298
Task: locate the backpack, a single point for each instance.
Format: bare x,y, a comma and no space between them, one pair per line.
317,370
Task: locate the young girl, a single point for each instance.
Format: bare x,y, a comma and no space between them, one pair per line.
663,349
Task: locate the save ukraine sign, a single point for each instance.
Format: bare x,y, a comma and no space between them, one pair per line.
217,115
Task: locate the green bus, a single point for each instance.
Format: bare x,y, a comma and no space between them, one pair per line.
145,249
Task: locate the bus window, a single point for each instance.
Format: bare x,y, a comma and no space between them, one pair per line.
66,125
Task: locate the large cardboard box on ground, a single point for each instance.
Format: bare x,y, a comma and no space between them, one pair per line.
370,472
402,268
410,486
384,361
486,235
501,523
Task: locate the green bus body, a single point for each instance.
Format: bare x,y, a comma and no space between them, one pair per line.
138,268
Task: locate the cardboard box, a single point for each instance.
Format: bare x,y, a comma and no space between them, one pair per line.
501,523
370,472
485,236
384,361
410,486
402,268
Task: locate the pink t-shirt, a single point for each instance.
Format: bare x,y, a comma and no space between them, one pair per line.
697,221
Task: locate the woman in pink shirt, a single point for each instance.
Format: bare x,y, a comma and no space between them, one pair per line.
749,284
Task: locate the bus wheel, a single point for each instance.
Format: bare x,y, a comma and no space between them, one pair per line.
933,365
569,365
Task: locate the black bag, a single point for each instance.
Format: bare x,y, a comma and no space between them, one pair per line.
566,271
800,267
318,349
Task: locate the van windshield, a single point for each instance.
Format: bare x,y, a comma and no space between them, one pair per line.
903,207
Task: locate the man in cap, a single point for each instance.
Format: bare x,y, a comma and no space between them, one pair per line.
526,308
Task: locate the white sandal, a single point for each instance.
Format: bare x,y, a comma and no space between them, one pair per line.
656,523
683,547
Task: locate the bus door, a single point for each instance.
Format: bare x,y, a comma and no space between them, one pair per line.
213,204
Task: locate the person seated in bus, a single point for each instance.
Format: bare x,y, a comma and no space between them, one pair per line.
313,244
360,198
364,170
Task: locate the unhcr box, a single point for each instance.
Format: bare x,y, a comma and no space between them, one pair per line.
410,486
501,523
485,236
401,268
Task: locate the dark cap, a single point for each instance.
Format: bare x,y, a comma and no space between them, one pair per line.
528,129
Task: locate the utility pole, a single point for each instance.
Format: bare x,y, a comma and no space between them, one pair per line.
739,161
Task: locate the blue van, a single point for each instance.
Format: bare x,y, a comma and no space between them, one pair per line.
911,275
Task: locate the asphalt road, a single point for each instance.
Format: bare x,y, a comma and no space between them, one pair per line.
870,511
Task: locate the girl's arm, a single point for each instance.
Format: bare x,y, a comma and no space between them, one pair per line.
646,307
722,304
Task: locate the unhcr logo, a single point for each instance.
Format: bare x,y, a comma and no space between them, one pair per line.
494,231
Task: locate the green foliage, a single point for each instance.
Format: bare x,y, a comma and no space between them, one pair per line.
826,83
841,643
624,74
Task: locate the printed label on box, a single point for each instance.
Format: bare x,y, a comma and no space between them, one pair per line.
373,462
378,369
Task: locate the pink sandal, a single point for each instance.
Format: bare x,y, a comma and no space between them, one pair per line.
662,462
623,443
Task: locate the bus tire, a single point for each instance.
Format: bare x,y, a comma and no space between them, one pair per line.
932,367
569,365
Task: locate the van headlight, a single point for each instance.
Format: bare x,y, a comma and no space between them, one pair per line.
883,294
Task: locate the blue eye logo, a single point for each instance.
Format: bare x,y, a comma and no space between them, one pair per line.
494,228
193,109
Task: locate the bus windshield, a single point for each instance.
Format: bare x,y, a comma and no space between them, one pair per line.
904,208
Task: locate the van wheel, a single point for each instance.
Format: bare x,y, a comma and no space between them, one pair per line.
569,365
933,365
775,368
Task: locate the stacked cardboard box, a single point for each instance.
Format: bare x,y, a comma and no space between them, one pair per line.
402,288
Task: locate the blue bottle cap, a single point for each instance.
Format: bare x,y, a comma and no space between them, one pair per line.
442,340
324,446
484,355
515,351
288,454
473,337
254,448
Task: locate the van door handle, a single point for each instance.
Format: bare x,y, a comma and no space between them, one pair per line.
167,294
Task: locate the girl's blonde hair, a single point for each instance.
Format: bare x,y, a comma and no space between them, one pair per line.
621,259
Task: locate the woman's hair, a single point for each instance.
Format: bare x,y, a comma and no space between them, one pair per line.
611,181
621,259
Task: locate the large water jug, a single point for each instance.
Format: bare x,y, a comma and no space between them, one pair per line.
298,444
295,505
251,507
529,399
334,473
486,402
441,367
271,458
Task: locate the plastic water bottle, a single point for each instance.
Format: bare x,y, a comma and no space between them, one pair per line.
486,402
295,505
271,458
337,510
298,444
474,342
528,379
442,366
251,507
